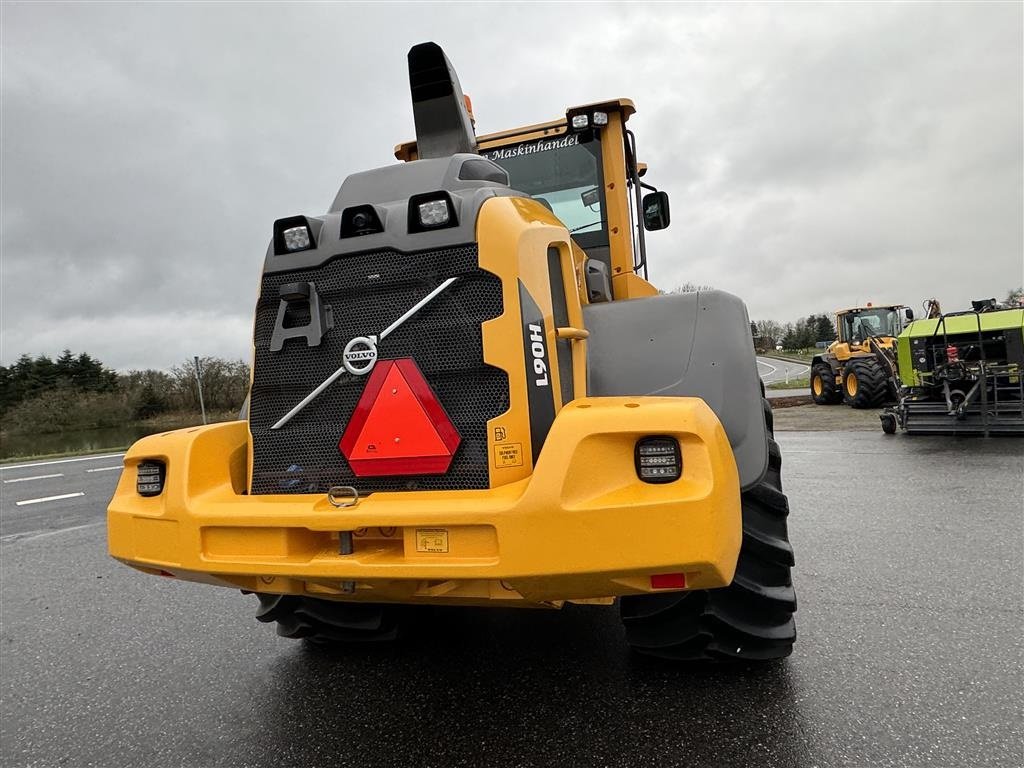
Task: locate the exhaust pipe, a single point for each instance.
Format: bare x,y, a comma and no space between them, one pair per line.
443,126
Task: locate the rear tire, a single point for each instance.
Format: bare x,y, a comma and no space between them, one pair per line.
329,621
823,385
864,384
752,618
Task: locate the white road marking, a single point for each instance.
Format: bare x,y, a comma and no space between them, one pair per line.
105,469
61,461
34,477
49,498
769,365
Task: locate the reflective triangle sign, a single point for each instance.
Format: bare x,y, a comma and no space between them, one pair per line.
398,426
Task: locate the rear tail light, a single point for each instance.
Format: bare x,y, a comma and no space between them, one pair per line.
658,459
149,478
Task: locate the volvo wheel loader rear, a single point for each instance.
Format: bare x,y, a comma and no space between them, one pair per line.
858,368
465,392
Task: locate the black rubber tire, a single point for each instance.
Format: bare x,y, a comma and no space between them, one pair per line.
829,394
888,423
868,381
329,621
751,619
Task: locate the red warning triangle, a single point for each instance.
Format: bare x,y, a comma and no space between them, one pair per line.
398,426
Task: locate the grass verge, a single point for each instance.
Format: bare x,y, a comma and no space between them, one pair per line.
804,383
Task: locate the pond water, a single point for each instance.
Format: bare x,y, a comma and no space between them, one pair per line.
86,440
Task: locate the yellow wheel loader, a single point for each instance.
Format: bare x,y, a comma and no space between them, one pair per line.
466,393
858,368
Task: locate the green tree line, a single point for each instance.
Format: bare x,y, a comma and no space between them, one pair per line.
804,333
78,392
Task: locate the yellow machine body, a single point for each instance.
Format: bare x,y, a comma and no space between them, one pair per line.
579,525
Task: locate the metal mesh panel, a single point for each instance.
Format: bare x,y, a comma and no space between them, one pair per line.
367,292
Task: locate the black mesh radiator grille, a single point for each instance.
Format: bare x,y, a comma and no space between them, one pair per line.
367,292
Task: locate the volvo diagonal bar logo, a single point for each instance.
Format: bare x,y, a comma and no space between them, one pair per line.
360,354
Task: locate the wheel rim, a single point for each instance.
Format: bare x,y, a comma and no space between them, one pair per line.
817,385
851,385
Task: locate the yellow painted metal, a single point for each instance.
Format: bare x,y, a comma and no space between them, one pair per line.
613,160
628,285
817,385
851,383
581,526
577,526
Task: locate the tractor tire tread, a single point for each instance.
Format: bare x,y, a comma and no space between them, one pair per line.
328,621
872,383
830,394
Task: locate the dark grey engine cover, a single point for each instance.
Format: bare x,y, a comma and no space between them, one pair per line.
684,345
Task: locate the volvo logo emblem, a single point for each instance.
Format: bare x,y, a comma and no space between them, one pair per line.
360,355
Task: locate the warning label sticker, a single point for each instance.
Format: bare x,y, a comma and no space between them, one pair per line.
431,539
508,455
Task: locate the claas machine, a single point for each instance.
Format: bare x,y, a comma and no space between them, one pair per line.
466,393
857,368
961,373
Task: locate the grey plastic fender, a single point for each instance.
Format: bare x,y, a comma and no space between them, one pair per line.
684,345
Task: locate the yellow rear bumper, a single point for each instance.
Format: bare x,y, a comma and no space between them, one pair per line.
581,527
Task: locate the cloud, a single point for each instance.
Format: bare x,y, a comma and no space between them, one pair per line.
816,155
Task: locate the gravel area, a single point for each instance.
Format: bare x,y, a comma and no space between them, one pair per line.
825,418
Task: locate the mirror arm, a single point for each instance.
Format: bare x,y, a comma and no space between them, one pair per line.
645,185
634,176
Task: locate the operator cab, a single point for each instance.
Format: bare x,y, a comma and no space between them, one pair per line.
858,325
583,169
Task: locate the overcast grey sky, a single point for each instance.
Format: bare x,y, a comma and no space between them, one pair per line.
817,156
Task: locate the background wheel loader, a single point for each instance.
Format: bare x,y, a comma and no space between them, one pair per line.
857,368
465,392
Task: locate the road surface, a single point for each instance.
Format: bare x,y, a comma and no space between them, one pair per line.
909,649
773,370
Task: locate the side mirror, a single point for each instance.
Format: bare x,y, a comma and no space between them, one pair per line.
655,205
909,313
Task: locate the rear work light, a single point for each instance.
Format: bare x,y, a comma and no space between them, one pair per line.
430,211
579,122
149,478
296,238
434,213
658,459
295,234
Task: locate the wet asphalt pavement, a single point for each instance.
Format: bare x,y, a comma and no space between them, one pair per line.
909,650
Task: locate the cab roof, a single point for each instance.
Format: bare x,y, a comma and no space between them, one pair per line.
406,151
